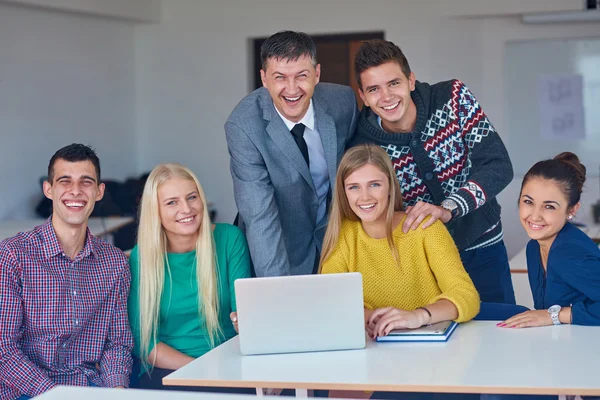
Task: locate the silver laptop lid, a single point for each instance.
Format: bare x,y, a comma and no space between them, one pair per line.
300,313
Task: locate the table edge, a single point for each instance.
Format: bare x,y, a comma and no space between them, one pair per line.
382,387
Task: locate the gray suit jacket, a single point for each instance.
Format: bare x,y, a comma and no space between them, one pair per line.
273,188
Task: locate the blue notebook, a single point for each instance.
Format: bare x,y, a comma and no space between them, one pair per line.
439,332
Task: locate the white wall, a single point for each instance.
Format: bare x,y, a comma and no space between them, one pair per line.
493,8
63,78
161,92
137,10
192,68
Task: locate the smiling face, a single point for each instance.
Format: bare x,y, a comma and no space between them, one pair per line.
386,90
291,84
180,208
543,209
367,190
74,191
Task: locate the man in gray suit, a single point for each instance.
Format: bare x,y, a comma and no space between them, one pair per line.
285,141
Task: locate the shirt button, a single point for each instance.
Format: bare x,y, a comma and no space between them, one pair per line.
429,176
64,345
74,292
414,143
76,322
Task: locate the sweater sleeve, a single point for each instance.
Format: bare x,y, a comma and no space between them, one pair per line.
580,270
238,261
488,160
445,263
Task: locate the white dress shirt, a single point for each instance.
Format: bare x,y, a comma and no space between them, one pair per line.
316,156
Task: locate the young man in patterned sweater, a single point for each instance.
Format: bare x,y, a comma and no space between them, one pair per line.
448,158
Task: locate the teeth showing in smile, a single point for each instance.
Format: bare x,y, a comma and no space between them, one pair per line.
367,207
535,226
292,98
184,220
74,204
388,108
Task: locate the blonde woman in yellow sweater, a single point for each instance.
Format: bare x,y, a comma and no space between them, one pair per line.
409,279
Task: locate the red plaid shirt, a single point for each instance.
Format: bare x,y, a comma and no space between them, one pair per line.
59,317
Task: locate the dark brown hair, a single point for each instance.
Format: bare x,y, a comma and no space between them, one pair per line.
566,170
374,53
73,153
288,45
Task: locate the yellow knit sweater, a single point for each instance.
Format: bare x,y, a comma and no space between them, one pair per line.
430,268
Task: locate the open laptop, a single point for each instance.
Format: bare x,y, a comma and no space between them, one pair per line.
291,314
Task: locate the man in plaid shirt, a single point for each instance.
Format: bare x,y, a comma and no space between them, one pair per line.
63,292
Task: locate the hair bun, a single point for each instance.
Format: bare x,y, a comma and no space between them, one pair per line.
573,162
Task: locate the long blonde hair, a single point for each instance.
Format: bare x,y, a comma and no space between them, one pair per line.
152,250
354,159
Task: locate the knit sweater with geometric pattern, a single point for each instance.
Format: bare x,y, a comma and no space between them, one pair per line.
430,268
454,152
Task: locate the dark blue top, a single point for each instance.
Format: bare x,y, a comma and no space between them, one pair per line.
573,277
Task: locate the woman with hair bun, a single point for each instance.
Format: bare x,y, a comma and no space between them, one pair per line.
563,262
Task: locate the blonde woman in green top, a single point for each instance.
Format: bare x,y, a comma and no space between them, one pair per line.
182,299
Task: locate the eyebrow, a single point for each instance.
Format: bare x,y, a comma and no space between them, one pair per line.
281,73
88,177
175,197
544,202
387,83
70,177
356,183
551,202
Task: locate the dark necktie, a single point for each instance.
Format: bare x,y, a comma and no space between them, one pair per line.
298,132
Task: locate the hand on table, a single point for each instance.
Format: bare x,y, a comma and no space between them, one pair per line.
383,320
527,319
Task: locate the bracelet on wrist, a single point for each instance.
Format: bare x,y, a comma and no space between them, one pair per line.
428,313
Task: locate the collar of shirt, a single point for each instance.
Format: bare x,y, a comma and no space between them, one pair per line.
51,245
379,122
308,120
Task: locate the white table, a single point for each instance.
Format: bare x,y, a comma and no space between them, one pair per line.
98,226
478,358
90,393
